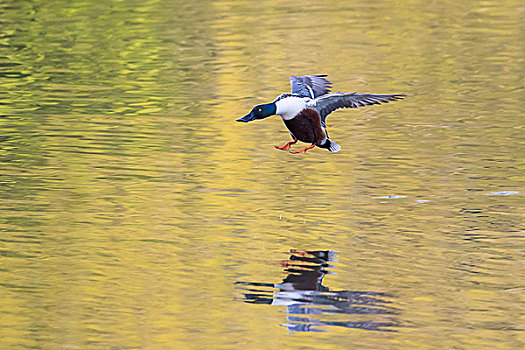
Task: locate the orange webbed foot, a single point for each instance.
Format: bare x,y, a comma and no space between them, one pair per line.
286,146
303,149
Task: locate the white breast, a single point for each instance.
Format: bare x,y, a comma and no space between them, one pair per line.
288,107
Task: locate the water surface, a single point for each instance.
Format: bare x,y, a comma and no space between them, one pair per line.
133,204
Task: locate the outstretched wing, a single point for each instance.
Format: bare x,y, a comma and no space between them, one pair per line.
310,85
326,104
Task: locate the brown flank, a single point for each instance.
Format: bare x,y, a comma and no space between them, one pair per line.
306,126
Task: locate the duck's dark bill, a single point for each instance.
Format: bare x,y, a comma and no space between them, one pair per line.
247,118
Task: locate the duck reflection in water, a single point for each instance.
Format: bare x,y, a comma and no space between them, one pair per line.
307,301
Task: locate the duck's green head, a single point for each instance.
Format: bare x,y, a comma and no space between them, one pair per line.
259,112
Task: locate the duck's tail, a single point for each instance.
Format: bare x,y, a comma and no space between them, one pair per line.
331,146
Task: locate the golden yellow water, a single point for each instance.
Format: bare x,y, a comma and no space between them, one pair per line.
132,204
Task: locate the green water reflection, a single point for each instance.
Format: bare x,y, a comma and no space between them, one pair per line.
132,202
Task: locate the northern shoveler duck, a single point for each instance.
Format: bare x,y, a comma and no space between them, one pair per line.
304,111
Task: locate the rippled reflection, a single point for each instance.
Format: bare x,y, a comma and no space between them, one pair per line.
310,306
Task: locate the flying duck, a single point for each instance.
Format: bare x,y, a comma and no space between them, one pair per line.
304,111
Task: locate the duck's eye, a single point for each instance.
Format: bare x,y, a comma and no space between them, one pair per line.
260,109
